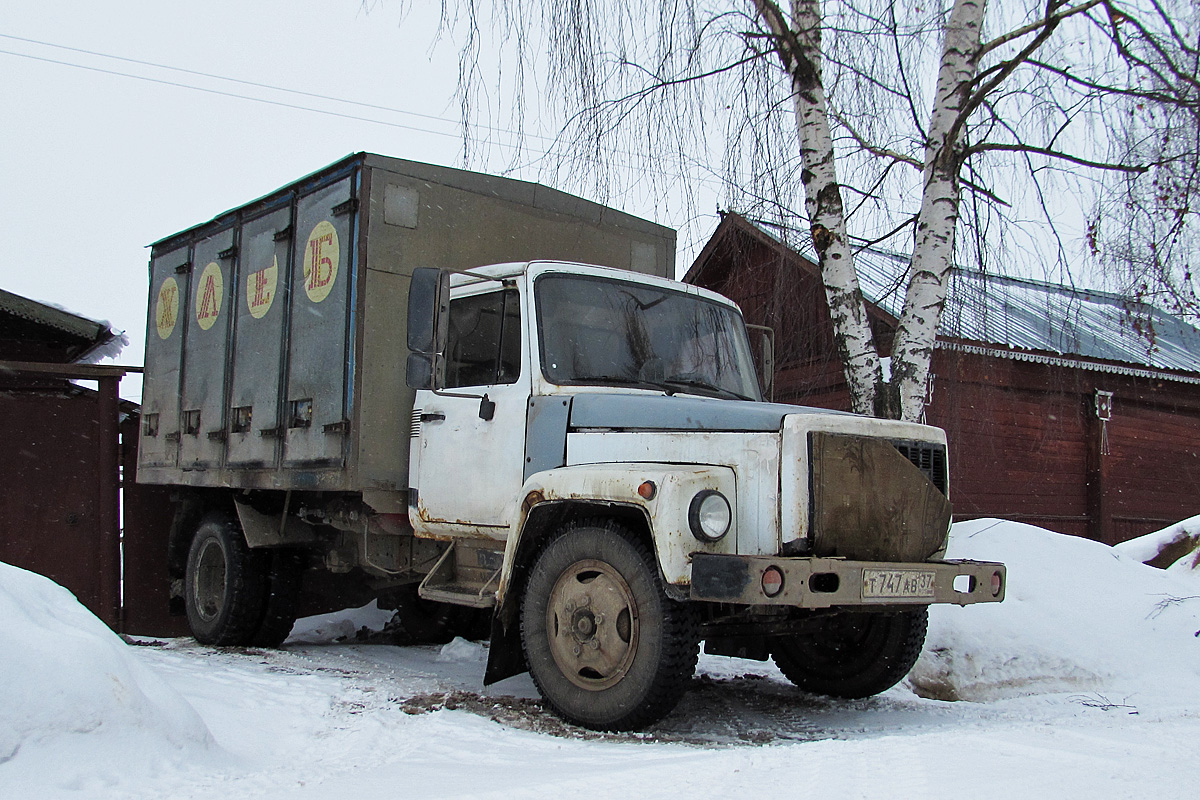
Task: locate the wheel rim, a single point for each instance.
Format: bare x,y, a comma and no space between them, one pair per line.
592,625
209,589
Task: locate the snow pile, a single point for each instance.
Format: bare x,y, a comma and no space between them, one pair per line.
73,690
1175,549
340,626
461,650
1078,616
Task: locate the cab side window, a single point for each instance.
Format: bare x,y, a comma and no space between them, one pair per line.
485,340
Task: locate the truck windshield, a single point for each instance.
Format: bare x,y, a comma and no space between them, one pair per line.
599,331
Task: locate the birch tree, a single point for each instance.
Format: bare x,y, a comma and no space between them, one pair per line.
895,124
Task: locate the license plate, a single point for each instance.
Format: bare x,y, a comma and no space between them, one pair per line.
897,584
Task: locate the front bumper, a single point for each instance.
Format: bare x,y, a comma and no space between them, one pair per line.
827,582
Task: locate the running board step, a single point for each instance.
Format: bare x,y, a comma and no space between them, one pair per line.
459,595
467,574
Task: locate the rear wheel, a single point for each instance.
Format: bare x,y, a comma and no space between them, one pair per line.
853,655
226,584
283,595
605,645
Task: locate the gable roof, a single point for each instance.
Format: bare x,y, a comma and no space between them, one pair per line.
1018,317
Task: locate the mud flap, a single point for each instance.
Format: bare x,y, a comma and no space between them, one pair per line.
506,657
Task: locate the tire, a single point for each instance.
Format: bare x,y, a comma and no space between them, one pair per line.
226,584
283,594
853,655
606,647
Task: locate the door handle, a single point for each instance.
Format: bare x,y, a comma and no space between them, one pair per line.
433,416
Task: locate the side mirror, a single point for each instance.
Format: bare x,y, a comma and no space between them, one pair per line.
766,360
428,311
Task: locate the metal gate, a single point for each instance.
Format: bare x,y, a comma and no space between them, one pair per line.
67,450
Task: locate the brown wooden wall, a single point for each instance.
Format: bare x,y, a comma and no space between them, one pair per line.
1025,441
146,515
61,497
1017,440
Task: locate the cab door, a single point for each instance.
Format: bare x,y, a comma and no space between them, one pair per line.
469,440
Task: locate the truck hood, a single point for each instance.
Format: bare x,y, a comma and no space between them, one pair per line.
680,413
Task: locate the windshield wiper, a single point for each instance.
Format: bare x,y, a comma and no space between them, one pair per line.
668,385
618,380
688,383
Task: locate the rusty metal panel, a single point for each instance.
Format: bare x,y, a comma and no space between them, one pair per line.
207,315
260,316
871,503
323,266
169,285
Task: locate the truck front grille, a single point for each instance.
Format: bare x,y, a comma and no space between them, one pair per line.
929,458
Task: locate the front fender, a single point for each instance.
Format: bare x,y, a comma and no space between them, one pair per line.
592,489
666,511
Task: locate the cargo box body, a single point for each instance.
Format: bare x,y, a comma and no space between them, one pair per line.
276,335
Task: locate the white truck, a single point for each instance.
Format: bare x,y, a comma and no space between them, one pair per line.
576,456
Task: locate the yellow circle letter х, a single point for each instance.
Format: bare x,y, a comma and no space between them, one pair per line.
320,261
208,295
260,289
166,310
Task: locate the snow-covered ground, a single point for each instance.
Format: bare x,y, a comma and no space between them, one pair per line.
1085,682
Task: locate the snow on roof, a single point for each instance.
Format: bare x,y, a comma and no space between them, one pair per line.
51,316
83,340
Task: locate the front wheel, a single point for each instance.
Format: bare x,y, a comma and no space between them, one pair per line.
853,655
605,645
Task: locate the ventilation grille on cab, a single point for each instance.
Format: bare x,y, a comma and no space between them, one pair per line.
929,458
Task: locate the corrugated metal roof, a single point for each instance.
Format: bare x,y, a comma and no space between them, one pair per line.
30,330
50,316
1021,314
1024,314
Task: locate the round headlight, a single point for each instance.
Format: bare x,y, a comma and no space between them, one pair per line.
710,516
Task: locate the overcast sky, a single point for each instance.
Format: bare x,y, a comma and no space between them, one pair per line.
125,121
96,165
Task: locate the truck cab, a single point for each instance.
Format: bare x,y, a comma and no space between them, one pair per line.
531,338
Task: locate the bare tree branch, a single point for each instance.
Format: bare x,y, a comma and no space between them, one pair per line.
1061,156
1051,20
873,149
